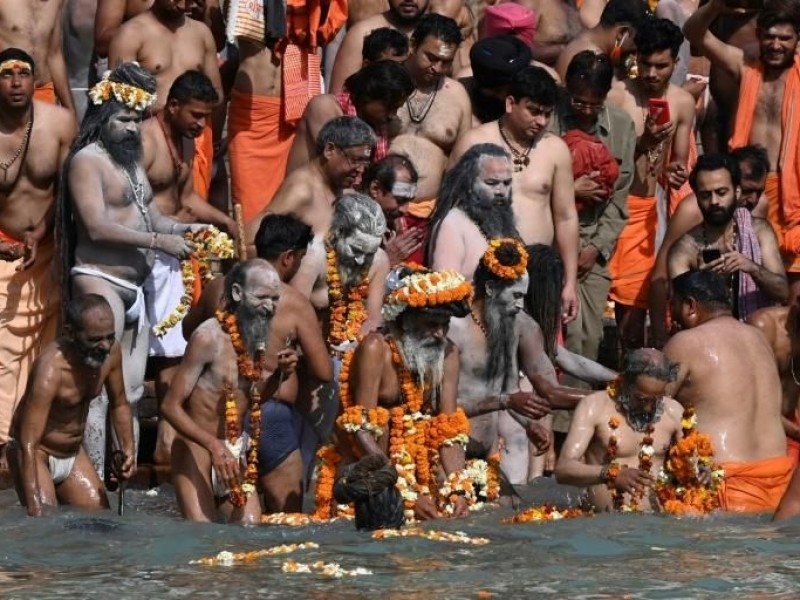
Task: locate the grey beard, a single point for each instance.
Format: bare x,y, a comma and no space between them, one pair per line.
254,329
494,220
351,274
501,343
639,419
125,152
424,359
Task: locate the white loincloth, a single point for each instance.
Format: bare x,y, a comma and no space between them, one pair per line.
133,313
163,292
239,451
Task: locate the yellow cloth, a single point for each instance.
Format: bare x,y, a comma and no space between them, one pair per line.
259,150
755,486
45,93
635,254
203,161
29,302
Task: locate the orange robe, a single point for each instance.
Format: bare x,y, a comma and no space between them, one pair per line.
259,150
635,254
203,161
755,486
45,93
785,216
29,303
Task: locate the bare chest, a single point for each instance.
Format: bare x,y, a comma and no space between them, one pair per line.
770,102
27,160
27,24
433,118
172,166
167,54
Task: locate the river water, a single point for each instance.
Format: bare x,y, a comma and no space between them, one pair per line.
146,554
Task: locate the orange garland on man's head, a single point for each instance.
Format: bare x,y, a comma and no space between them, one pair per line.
412,286
498,269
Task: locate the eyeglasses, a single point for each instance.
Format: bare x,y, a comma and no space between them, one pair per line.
355,161
591,106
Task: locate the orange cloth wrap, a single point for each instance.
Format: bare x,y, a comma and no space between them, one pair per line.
29,302
635,254
755,486
203,161
789,158
259,150
45,93
792,445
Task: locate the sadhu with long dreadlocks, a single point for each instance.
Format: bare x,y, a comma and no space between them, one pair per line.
110,227
496,341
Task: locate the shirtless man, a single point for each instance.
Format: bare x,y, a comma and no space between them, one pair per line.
613,35
415,339
343,150
403,15
543,196
436,113
728,374
282,241
495,342
742,250
167,156
110,15
49,464
475,207
558,25
640,402
661,153
118,227
761,116
352,248
32,152
781,326
754,165
212,457
36,28
374,94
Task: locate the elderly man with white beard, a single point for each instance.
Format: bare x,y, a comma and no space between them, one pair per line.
497,340
474,207
228,370
110,227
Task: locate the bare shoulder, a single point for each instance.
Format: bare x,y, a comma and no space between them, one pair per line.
295,191
554,143
88,160
682,99
55,118
207,336
455,88
363,28
322,103
768,319
373,348
673,409
381,261
593,406
680,346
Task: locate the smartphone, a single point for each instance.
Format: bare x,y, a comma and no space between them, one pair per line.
659,110
711,254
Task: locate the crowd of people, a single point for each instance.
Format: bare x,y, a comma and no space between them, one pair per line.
435,207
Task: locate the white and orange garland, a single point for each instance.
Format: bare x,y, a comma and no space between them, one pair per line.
455,537
547,512
226,558
209,243
322,568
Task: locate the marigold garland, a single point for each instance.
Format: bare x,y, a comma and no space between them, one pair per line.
455,537
449,430
426,290
323,568
547,512
208,243
131,96
251,371
347,310
679,487
226,558
510,272
646,452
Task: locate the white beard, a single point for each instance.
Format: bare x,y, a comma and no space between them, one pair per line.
424,360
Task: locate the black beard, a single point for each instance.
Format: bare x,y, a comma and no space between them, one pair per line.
501,342
254,328
126,151
495,219
718,218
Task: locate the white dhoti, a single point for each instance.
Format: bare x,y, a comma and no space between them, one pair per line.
163,291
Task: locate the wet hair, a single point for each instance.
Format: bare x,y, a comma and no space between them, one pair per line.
624,12
281,233
756,159
382,39
18,54
345,132
357,212
193,85
457,186
591,72
238,275
94,120
715,162
535,84
80,305
507,255
543,300
442,28
706,287
656,35
370,484
650,363
778,15
384,172
384,81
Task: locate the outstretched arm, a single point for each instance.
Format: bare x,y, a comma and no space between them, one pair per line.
722,55
583,368
565,222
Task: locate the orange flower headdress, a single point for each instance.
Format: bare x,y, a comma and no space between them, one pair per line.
15,63
411,286
131,96
498,269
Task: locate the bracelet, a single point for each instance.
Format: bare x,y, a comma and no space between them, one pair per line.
172,228
153,239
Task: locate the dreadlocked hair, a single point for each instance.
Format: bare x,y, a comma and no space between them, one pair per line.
95,118
370,484
543,300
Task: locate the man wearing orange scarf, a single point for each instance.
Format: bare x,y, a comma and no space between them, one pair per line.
769,91
728,375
